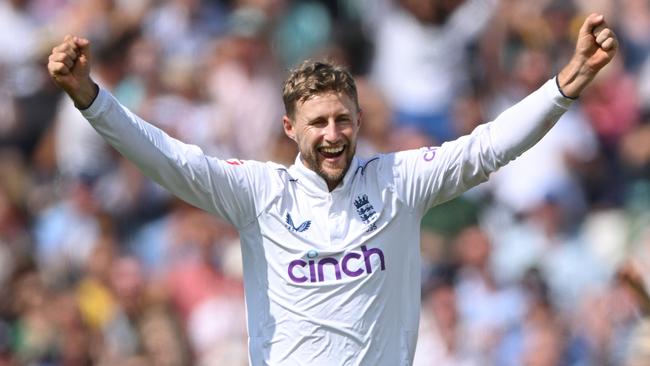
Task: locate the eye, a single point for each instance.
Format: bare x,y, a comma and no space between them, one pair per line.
344,119
318,122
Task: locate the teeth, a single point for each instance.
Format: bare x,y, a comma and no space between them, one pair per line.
332,150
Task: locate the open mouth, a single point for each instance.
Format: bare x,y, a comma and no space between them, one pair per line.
331,152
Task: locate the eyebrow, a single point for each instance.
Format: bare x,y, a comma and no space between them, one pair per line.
336,117
316,120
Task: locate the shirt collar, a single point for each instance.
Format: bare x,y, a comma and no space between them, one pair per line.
313,181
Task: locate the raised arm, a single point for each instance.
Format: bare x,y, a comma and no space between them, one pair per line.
434,175
231,191
523,125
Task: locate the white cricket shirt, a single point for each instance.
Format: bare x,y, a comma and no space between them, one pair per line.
331,278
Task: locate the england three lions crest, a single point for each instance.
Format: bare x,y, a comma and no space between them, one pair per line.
365,211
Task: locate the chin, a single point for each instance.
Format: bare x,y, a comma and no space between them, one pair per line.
331,175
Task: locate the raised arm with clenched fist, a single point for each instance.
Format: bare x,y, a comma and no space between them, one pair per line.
331,244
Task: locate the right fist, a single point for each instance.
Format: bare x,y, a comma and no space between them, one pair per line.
69,67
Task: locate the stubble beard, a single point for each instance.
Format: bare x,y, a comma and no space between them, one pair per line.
315,162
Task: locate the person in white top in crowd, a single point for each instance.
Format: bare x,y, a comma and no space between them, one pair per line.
330,245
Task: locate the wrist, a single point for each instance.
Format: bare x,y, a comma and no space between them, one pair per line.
85,95
559,88
573,78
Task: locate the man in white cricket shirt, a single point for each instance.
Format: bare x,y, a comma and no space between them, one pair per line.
331,244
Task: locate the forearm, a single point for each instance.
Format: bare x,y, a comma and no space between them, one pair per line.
575,77
84,95
524,124
178,167
458,165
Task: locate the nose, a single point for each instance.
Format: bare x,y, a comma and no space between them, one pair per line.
332,131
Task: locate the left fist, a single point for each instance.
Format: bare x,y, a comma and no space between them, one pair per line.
597,43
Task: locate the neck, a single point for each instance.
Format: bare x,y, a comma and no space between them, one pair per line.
332,184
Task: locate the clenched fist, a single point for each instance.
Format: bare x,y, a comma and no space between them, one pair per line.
595,48
69,67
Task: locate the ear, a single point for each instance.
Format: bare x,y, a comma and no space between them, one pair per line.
289,129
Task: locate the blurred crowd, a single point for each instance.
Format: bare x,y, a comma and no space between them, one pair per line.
543,265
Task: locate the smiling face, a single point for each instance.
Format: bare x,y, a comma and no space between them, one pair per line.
325,127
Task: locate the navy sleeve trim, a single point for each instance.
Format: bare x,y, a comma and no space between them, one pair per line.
557,82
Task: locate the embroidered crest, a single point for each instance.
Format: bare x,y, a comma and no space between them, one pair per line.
365,211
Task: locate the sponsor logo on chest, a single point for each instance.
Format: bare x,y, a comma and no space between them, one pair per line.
296,229
352,264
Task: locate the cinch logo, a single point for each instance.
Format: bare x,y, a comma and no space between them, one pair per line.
353,264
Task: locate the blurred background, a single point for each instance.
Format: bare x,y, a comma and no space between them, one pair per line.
100,266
